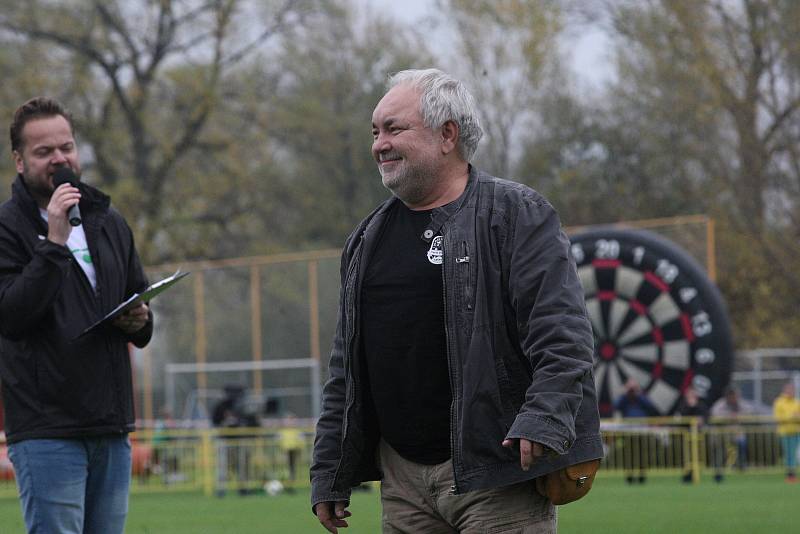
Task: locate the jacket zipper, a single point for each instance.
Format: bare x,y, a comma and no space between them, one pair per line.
464,260
451,366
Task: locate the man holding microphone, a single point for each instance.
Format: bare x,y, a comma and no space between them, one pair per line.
68,399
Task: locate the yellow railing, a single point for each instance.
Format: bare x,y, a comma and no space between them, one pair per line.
240,460
688,447
248,460
214,461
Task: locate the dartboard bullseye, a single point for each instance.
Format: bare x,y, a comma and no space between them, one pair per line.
656,318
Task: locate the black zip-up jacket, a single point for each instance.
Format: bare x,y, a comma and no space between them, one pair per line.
55,386
519,345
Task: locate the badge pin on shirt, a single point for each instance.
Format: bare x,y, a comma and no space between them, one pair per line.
436,252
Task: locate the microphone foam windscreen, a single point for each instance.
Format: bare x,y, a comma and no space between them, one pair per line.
64,175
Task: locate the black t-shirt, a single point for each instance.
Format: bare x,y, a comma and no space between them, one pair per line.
404,338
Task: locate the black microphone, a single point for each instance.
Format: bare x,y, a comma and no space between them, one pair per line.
64,175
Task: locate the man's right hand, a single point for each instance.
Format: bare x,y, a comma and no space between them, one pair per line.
332,514
529,451
58,228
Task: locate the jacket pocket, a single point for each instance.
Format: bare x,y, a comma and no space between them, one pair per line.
513,380
463,261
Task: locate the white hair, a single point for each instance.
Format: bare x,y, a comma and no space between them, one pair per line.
442,99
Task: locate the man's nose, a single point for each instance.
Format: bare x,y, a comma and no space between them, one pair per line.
380,144
58,157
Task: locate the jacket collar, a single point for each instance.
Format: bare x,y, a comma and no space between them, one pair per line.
441,214
371,224
26,204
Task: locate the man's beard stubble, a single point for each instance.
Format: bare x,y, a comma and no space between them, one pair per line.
40,185
411,184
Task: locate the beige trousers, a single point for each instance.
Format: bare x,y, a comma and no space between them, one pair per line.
416,499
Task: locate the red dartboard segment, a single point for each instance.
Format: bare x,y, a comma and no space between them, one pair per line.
653,310
606,296
687,380
638,307
687,327
656,281
658,337
658,369
605,264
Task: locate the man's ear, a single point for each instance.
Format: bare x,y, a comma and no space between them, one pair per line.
449,134
18,163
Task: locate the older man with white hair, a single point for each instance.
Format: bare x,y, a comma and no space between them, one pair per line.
461,367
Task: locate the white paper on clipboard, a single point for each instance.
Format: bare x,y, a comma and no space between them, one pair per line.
145,296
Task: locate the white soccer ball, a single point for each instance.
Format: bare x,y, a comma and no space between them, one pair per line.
273,487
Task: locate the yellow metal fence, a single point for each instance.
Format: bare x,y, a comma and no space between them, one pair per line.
241,460
255,460
689,448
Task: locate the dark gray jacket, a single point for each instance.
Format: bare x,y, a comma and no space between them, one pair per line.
519,345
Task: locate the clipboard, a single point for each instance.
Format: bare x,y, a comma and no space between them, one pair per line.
145,296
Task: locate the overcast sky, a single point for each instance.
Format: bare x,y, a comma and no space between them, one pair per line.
588,50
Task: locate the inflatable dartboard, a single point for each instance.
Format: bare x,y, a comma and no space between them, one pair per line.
656,318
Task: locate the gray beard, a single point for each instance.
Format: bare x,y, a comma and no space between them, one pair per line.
411,185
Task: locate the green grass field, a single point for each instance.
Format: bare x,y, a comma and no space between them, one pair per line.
743,503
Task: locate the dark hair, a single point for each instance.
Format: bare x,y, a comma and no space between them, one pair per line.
35,108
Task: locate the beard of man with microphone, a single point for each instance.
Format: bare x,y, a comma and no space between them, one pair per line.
68,400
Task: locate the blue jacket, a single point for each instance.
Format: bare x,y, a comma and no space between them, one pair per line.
519,345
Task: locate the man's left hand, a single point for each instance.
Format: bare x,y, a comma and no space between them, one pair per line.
133,319
529,451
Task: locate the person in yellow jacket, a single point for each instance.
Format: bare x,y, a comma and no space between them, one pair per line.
786,410
290,439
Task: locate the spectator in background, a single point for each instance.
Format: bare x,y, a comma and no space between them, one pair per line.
634,403
291,442
232,453
727,409
165,460
691,405
786,410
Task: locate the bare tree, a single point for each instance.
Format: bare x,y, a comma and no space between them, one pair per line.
722,77
508,52
146,77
